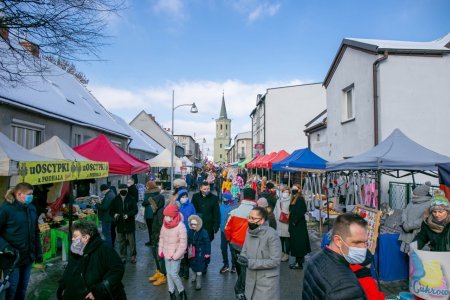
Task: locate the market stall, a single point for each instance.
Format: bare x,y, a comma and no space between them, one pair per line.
396,156
164,160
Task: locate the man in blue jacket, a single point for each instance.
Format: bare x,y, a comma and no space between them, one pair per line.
19,233
103,211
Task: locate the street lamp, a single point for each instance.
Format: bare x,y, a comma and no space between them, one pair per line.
193,110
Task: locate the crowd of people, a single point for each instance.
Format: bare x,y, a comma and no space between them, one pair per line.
261,226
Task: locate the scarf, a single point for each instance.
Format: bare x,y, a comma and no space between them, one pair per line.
173,223
434,225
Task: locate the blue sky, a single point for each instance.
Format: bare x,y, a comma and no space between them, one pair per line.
201,47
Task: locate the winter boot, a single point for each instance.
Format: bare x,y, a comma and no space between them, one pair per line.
172,296
155,276
161,280
198,282
183,295
194,277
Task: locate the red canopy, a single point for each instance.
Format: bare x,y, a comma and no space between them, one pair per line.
279,157
120,162
265,159
252,164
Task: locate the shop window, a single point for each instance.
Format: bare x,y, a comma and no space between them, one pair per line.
27,134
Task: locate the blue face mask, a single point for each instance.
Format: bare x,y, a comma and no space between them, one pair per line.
355,255
28,199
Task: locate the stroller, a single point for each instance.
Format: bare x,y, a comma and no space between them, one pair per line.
6,270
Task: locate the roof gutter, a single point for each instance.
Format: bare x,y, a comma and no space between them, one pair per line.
375,97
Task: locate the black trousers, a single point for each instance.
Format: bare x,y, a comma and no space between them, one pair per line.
239,287
149,228
113,233
285,244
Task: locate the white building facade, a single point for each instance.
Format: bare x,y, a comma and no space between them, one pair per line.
280,115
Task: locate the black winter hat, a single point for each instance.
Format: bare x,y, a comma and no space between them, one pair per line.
104,187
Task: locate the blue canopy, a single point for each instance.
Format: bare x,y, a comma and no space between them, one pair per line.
301,159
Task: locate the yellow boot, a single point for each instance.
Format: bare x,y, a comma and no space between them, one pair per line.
161,280
155,276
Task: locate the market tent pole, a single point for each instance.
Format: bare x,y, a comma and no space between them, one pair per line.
70,210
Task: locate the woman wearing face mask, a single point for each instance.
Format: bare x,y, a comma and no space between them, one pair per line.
172,246
282,207
14,236
187,209
298,231
435,229
94,270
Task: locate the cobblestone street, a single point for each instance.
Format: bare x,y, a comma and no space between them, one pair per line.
43,284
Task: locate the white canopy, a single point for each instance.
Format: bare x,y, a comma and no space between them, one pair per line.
56,148
12,153
187,162
163,160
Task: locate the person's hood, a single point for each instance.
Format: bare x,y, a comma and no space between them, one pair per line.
199,222
420,199
9,196
155,190
260,230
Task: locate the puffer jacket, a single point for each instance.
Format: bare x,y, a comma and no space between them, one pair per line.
237,224
199,239
412,219
328,276
19,229
173,241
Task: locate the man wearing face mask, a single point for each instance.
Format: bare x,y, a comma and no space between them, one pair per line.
19,232
328,274
103,211
123,210
261,255
207,207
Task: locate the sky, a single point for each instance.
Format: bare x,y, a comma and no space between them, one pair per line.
201,49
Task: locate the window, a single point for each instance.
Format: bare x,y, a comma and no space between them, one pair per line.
220,126
77,140
318,137
226,127
220,146
27,134
348,104
220,155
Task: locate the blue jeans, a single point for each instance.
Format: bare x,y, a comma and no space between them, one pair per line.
18,283
224,245
106,230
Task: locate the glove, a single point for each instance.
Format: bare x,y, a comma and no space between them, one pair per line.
8,250
242,260
60,293
207,259
161,255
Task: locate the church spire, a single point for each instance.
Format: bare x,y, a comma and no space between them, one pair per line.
223,109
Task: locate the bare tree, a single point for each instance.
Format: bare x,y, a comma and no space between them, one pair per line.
69,67
67,29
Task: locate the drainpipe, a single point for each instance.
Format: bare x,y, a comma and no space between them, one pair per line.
375,96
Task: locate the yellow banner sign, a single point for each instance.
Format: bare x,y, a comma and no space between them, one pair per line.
58,171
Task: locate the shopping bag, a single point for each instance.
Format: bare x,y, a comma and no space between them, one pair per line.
140,217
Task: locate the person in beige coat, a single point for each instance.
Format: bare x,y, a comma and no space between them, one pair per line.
261,255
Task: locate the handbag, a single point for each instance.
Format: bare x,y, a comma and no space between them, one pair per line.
191,251
284,217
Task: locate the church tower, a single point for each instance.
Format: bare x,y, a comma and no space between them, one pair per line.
223,134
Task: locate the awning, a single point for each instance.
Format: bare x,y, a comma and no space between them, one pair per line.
279,157
252,164
164,160
301,160
244,162
120,162
263,162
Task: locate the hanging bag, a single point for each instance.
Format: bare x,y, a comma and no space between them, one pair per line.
284,217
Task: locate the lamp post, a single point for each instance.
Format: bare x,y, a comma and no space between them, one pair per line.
194,110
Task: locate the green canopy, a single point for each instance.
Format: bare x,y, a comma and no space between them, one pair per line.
243,163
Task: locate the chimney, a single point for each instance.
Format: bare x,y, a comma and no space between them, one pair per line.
33,48
4,33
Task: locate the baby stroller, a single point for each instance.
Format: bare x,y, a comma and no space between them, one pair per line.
6,270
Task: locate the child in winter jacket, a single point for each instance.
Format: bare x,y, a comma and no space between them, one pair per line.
187,209
199,249
172,247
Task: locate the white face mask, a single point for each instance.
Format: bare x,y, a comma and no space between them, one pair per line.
168,219
355,255
183,200
285,195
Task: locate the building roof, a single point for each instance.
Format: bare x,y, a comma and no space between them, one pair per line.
59,95
318,122
138,140
243,135
437,47
223,109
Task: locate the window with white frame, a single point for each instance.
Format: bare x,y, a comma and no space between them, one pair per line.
348,103
27,134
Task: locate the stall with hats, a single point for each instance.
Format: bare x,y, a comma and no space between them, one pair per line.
359,177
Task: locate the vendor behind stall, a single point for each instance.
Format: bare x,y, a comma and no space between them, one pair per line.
436,225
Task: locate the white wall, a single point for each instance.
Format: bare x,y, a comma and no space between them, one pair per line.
355,137
146,124
415,97
288,109
319,147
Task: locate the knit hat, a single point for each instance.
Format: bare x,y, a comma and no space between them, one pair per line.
179,182
262,202
439,202
150,185
270,185
123,186
171,210
182,193
227,197
423,189
104,187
